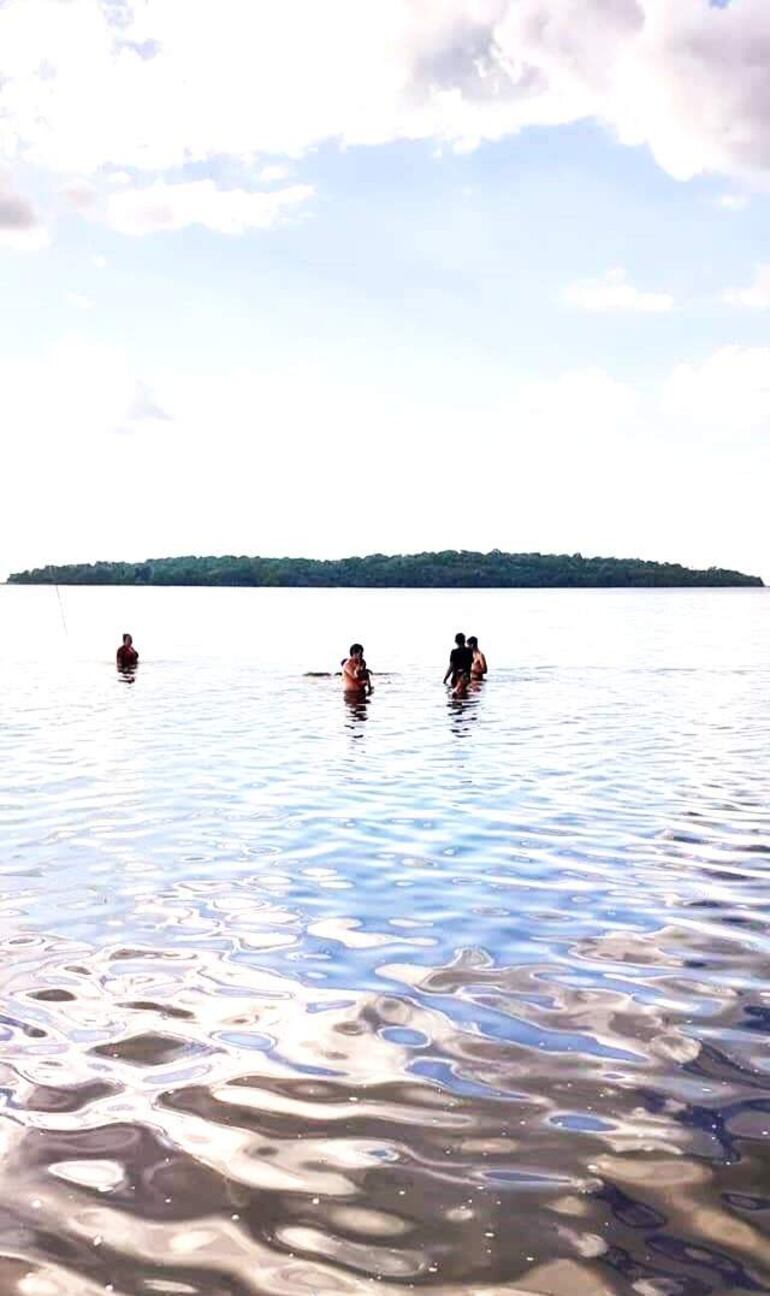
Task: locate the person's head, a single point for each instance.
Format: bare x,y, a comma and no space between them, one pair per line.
356,650
460,640
473,642
127,641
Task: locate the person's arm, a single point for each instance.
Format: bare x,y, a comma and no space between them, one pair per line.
350,671
483,663
449,671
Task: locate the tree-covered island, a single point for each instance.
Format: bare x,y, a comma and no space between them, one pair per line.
456,569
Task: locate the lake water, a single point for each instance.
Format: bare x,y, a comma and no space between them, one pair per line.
464,997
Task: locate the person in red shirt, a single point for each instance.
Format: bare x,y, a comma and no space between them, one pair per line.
127,656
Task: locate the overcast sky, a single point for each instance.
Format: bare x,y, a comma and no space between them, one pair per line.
325,277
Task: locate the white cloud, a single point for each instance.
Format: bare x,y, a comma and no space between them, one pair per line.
81,194
99,262
143,410
34,239
273,174
733,201
86,84
589,393
20,227
727,395
173,206
79,390
79,301
757,295
613,292
145,406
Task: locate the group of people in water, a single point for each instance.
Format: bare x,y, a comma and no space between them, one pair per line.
467,665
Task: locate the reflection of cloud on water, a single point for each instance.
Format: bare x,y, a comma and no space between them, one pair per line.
349,932
328,1143
206,1119
642,949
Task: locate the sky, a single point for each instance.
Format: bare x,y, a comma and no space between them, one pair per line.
331,277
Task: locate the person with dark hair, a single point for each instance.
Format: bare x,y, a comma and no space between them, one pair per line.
127,656
356,676
479,663
460,660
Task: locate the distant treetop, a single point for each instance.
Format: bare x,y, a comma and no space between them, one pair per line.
456,569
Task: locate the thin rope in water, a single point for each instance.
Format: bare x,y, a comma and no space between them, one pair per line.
61,609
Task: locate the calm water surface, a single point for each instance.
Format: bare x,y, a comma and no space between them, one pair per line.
300,997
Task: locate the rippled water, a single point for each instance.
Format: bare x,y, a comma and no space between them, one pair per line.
300,997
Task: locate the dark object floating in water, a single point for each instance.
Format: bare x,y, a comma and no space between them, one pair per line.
338,674
451,569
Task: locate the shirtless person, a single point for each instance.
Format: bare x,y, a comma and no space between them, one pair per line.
356,678
127,656
479,666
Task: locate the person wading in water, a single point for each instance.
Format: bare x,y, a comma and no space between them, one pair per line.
460,661
127,656
479,663
356,677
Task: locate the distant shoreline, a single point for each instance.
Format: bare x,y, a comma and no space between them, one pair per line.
449,569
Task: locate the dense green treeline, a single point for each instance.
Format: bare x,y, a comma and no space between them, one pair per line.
449,569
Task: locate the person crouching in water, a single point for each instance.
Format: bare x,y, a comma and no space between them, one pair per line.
356,677
127,656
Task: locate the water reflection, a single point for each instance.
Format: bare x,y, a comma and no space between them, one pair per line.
463,713
357,711
380,1135
278,1022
